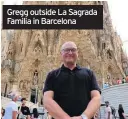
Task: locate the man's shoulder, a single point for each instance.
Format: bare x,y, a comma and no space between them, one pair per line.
85,69
25,107
54,72
13,103
109,108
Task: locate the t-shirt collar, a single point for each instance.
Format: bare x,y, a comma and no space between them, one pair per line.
77,67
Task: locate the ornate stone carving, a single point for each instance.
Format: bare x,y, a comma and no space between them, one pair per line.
24,85
38,49
35,78
36,63
17,67
50,34
20,47
11,50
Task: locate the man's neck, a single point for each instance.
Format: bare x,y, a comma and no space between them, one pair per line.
70,66
14,100
23,105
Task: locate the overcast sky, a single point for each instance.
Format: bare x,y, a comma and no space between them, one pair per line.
119,14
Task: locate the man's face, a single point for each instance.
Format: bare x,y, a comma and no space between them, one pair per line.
106,104
69,53
24,102
16,98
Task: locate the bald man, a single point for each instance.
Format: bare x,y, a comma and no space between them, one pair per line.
71,92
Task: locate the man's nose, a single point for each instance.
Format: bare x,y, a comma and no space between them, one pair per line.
70,51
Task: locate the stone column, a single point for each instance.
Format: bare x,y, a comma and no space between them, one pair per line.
15,87
103,73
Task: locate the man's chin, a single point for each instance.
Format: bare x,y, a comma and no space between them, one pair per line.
70,62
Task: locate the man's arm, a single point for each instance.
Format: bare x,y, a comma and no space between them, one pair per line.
52,107
93,105
14,114
15,111
28,115
108,115
123,114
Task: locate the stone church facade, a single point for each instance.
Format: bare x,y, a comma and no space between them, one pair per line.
28,55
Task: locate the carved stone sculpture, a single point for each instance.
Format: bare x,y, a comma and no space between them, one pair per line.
11,50
35,78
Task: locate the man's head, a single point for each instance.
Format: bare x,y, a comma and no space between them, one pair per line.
23,100
107,103
69,53
14,96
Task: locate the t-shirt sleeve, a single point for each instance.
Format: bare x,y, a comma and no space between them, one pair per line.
15,108
109,109
94,84
49,82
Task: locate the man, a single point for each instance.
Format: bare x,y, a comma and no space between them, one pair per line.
108,111
25,112
12,108
105,85
71,92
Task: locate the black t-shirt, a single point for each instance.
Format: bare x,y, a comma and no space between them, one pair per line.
25,110
72,88
120,111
